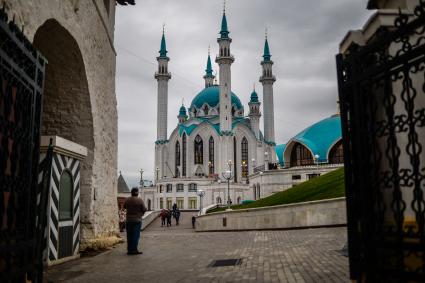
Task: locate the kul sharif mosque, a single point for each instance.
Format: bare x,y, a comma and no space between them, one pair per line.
217,139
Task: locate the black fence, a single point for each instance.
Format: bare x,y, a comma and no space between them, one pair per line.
382,100
21,88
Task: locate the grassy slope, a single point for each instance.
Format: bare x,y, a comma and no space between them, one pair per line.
330,185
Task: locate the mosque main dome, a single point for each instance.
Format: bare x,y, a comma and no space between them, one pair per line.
211,96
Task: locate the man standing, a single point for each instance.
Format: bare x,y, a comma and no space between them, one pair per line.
135,210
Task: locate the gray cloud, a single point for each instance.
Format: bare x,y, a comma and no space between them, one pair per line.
303,36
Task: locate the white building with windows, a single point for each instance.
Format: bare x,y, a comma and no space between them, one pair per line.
215,135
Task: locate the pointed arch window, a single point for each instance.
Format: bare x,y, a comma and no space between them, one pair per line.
206,109
184,155
211,156
336,154
301,156
244,157
198,150
177,159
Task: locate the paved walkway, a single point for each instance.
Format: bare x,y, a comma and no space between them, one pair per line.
178,254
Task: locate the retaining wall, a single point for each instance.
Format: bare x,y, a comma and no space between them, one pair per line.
330,212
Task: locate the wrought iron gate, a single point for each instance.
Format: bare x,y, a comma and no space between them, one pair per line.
382,100
21,216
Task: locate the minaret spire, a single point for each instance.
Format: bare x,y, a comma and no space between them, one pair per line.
209,77
267,79
162,76
163,51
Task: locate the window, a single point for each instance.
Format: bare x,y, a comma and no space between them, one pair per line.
180,203
169,203
211,156
192,203
169,188
206,110
296,177
244,157
199,148
180,188
336,155
161,188
161,203
218,200
184,154
238,201
193,188
177,159
301,156
65,196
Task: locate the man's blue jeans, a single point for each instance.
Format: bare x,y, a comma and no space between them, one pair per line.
133,235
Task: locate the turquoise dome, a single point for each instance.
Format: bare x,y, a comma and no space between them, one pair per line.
182,111
321,136
211,96
254,97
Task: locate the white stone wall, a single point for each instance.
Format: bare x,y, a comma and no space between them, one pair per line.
330,212
274,181
92,28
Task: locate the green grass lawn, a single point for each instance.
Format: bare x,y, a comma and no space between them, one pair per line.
330,185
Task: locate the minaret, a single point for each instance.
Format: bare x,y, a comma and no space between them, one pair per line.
209,77
162,76
182,114
267,79
254,113
225,60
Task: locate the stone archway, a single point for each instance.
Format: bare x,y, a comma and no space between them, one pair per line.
67,108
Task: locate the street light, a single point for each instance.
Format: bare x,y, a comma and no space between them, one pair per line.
266,158
228,175
261,184
201,194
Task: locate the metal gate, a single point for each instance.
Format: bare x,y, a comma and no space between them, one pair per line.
21,216
382,100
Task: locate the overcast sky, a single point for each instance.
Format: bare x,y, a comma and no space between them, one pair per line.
303,37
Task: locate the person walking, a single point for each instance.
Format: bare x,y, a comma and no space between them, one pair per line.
177,216
169,215
193,221
135,209
163,217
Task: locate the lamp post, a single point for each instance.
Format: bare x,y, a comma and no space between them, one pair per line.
201,194
316,159
261,184
228,175
266,162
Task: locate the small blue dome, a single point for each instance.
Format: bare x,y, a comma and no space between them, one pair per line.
211,96
182,111
320,136
254,97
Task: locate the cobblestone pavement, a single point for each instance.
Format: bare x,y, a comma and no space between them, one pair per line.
178,254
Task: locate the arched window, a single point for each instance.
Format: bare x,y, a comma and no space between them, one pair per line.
65,196
184,155
211,156
336,154
206,109
177,151
244,157
218,200
238,200
233,111
301,156
199,149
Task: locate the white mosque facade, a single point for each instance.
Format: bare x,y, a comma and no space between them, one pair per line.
218,149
